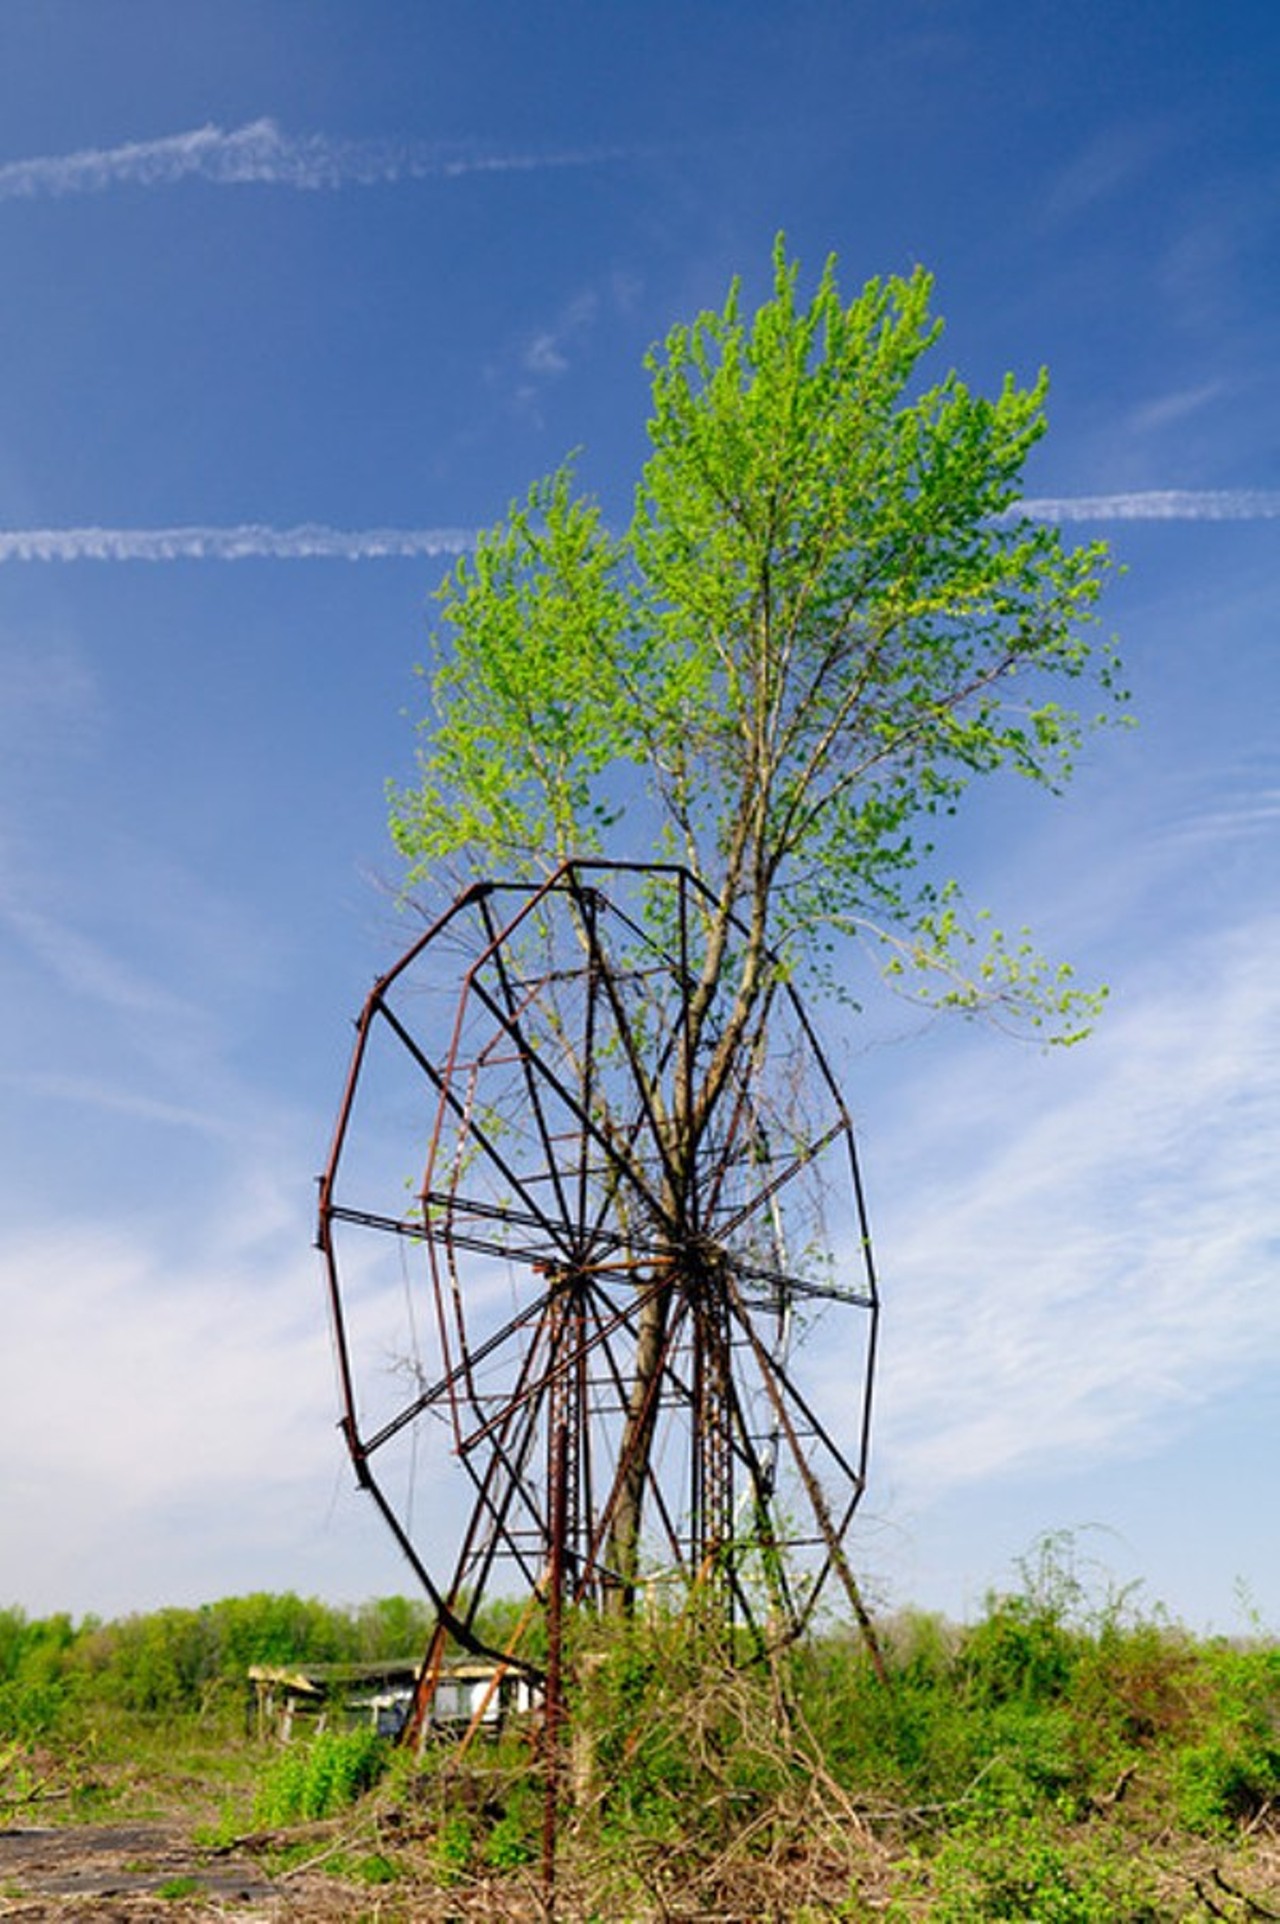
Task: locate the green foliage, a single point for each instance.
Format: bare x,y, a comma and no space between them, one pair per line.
673,1733
1032,1874
1231,1774
511,1843
29,1710
321,1777
824,621
180,1662
454,1847
1063,1759
35,1688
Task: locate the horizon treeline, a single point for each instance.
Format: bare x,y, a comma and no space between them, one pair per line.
178,1660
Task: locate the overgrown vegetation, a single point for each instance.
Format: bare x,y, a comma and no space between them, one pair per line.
1063,1759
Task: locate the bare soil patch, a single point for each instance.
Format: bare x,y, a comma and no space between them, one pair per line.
138,1872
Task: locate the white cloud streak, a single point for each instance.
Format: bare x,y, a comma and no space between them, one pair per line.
311,541
260,154
1157,504
248,542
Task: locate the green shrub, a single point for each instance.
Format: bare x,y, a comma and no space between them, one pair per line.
1027,1874
30,1710
320,1778
1231,1774
510,1843
454,1846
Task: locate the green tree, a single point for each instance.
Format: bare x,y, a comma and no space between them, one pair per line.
824,621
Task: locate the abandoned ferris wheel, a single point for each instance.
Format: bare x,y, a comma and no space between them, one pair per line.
602,1294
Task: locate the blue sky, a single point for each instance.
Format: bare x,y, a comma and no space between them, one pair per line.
297,295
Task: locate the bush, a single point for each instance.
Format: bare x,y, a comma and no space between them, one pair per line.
30,1710
1029,1875
320,1778
1231,1774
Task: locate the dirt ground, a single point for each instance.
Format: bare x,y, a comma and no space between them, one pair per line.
143,1873
137,1873
117,1870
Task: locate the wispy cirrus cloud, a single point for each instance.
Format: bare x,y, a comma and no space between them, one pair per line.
250,541
1096,1256
261,154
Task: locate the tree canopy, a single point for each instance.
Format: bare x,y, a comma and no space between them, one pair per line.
824,620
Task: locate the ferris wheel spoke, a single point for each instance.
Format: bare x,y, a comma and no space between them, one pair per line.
452,1103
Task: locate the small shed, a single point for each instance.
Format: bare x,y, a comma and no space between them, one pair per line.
485,1694
288,1698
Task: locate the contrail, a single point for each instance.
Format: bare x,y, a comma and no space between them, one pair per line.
261,153
1157,504
312,540
305,543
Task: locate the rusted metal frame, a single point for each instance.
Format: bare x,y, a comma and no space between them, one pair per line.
531,1087
623,1162
476,1245
447,1385
873,1334
762,1488
723,1559
814,1490
324,1231
641,1082
621,1318
711,1466
341,1353
688,1045
592,1570
589,911
772,1546
601,1342
855,1171
547,1383
443,1082
373,1003
566,1461
571,1102
677,1545
513,1465
414,1231
440,1603
553,1711
502,1213
376,1003
800,1286
425,1686
740,1077
451,1313
797,1163
578,1107
460,1626
670,870
777,1379
674,1340
679,1338
584,1415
